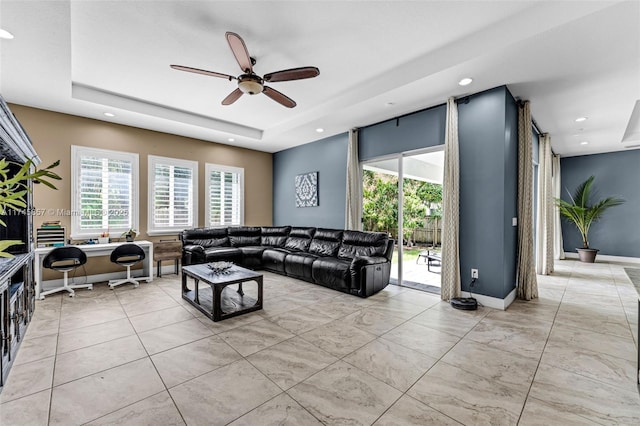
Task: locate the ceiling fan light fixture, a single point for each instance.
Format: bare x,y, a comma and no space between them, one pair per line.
250,84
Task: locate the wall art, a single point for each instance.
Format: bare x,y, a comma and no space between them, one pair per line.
307,190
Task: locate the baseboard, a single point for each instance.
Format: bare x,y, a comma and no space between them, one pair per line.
606,257
493,302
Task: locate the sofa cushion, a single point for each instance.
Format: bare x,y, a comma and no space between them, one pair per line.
357,243
252,256
205,237
231,254
273,259
240,236
326,242
299,265
274,236
332,272
299,239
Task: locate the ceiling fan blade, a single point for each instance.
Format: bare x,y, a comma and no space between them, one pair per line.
292,74
279,97
232,97
239,50
203,72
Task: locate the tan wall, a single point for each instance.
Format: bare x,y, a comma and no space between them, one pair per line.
53,134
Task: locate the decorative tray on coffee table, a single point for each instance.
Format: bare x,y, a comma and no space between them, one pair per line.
220,267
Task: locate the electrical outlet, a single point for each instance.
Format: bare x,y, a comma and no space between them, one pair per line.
474,273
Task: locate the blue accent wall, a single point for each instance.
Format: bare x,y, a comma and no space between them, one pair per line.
329,158
488,127
617,174
488,136
415,131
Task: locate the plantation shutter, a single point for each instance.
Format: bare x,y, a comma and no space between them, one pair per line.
105,194
225,197
173,196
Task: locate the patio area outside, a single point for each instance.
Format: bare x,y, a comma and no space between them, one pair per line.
415,273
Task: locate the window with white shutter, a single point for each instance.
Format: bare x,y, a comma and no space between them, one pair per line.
173,195
225,195
104,192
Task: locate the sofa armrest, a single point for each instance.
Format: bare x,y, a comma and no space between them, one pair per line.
192,254
360,261
369,274
194,248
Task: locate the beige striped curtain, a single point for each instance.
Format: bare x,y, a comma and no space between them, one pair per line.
558,248
353,212
527,285
546,208
450,276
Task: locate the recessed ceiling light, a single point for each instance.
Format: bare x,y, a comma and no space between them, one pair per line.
109,114
319,130
5,34
581,119
390,104
465,81
231,140
584,143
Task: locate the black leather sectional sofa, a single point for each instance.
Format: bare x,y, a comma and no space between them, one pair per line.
353,262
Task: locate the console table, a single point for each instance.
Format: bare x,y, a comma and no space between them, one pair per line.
93,250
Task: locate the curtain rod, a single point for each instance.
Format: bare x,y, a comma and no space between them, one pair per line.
535,126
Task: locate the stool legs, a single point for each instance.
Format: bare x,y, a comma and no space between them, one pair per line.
128,280
65,287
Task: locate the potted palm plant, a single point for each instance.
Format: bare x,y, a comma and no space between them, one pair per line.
582,213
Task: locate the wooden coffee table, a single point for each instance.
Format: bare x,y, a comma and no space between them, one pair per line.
215,301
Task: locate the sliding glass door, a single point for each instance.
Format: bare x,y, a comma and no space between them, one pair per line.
409,212
380,202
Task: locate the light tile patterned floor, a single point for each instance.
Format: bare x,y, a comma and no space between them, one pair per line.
315,356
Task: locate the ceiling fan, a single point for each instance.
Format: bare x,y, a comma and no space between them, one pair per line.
251,83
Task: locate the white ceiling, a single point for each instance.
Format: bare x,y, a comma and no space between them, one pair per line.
569,58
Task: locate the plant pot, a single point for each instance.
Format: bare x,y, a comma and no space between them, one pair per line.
587,255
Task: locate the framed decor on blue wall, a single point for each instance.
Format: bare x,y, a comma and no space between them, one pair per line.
307,190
